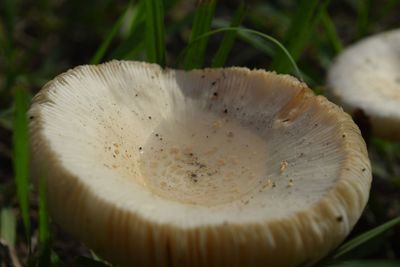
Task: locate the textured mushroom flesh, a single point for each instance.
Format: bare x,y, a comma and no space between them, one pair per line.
366,76
217,140
225,167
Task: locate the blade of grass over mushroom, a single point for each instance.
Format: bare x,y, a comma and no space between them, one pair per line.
99,55
245,30
20,154
365,237
227,42
297,35
7,226
155,32
367,263
194,57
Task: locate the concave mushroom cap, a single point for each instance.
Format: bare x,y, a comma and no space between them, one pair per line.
214,167
366,76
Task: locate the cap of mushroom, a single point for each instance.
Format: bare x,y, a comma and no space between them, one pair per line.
214,167
366,76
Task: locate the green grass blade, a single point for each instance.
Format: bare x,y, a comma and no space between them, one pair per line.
133,45
229,38
136,53
297,35
134,15
254,41
44,232
21,155
3,38
55,260
178,26
331,30
257,43
9,13
260,34
7,226
201,24
99,55
362,8
155,31
365,237
133,42
367,263
8,20
388,7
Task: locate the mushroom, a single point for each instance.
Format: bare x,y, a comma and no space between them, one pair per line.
366,77
214,167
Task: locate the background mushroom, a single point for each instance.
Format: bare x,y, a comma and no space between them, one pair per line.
366,77
215,167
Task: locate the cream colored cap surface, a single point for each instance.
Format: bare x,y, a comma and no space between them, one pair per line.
214,167
366,76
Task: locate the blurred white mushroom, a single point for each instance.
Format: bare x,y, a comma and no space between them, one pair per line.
366,76
139,165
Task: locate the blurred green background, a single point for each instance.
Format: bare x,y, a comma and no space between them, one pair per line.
41,39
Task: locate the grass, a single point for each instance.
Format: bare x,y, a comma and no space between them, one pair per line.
365,237
227,42
260,34
20,155
195,55
155,32
132,33
330,28
44,231
299,37
100,53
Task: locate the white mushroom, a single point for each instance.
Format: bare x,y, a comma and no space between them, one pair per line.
366,76
215,167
